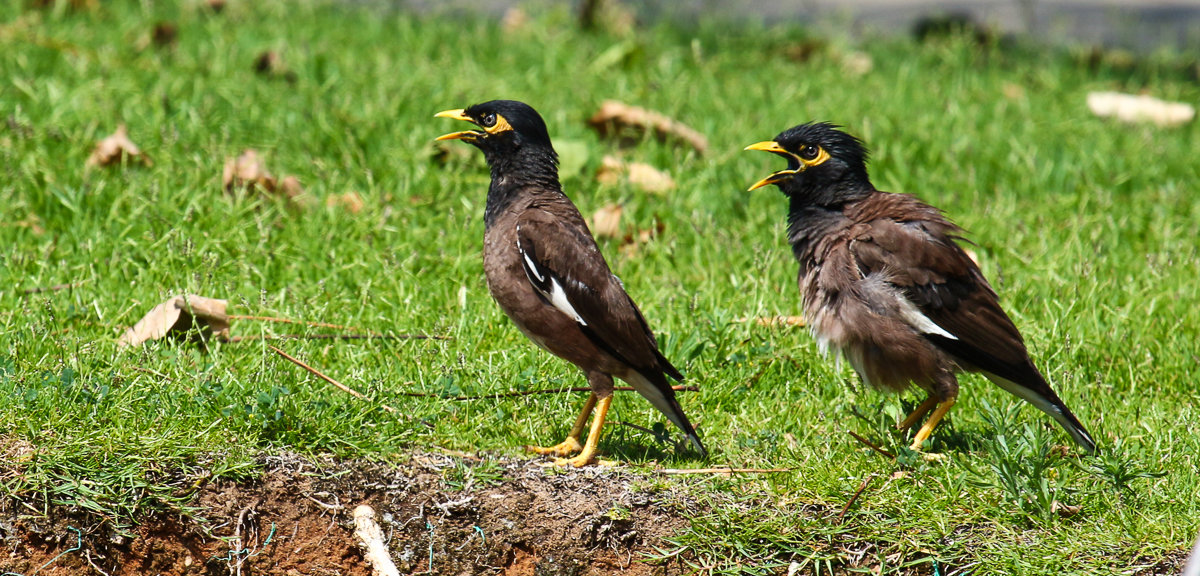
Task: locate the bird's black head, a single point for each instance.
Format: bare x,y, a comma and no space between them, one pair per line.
507,128
825,165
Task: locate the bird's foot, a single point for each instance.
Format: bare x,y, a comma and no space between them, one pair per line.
927,456
580,461
562,449
932,457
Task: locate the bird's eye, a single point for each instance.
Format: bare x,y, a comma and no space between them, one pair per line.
488,120
810,152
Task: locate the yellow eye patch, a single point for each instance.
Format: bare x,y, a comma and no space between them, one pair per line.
822,157
501,125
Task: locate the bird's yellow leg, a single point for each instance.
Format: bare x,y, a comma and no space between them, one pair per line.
927,429
588,455
571,444
917,414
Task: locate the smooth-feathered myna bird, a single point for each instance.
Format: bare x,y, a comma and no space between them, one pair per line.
545,271
886,285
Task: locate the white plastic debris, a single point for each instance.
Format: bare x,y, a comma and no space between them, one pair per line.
1140,108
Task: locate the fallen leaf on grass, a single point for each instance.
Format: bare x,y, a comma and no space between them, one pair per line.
775,321
633,241
164,34
113,148
32,222
270,63
606,222
1142,108
857,63
180,316
247,171
350,201
514,19
1064,510
619,120
639,174
649,178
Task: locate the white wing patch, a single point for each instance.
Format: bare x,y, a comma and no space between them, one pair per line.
558,297
546,284
530,265
914,318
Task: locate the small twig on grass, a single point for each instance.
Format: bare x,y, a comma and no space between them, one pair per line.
367,336
871,445
723,471
290,321
330,337
866,482
318,374
531,393
370,537
54,288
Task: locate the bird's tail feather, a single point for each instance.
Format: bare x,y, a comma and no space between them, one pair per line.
666,403
1053,406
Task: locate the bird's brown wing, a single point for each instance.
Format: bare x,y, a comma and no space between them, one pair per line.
915,250
566,267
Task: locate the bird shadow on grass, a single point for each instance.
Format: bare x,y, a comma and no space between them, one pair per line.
633,443
881,420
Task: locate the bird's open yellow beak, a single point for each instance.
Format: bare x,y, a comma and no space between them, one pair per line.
459,114
767,146
774,148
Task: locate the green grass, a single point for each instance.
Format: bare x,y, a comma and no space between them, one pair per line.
1088,229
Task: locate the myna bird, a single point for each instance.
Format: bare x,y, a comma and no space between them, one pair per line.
545,271
886,285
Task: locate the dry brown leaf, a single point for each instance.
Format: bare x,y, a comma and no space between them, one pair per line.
32,222
633,241
611,16
1065,510
776,321
1013,91
606,222
514,19
350,201
291,189
270,63
113,148
804,50
857,63
611,169
247,171
177,317
639,174
619,120
165,34
649,178
217,6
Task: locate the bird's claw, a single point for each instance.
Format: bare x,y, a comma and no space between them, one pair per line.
562,449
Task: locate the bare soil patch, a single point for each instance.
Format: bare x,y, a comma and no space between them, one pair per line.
442,514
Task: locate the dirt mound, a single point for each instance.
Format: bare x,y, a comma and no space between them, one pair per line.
441,514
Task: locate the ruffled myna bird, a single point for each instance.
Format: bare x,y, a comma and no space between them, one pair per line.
886,285
545,271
